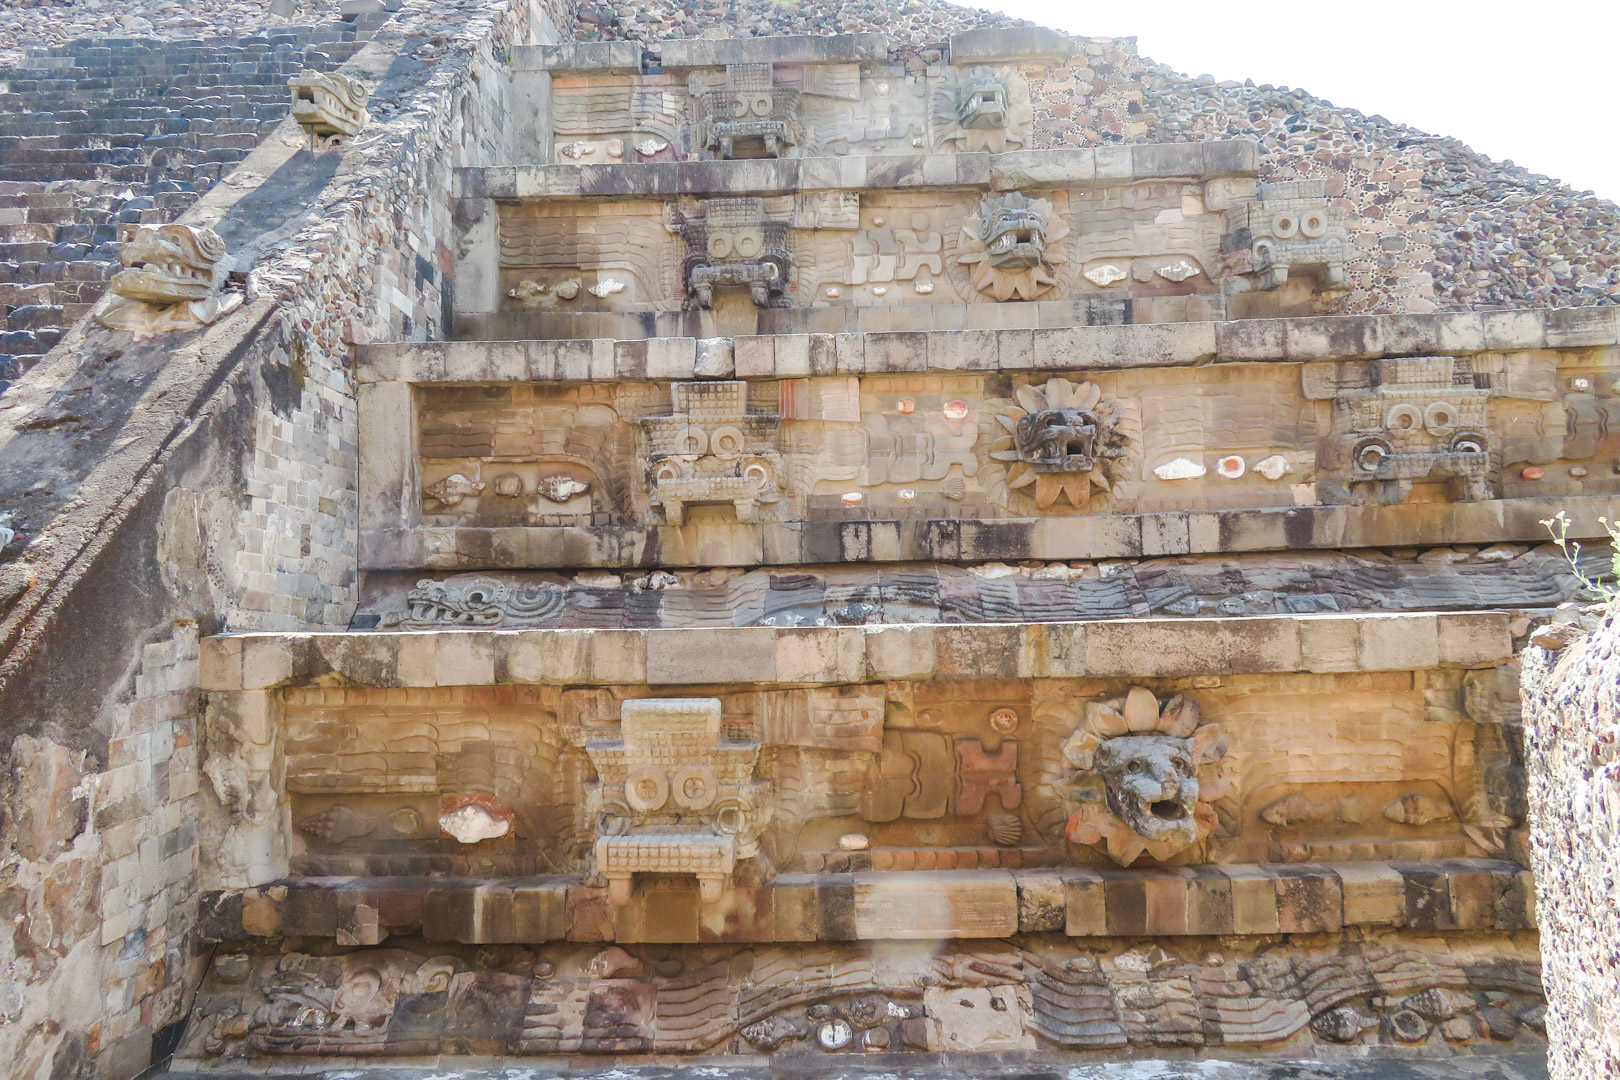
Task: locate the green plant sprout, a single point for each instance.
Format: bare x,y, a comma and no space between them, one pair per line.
1558,527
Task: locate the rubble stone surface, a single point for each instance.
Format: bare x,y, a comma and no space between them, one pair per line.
1572,747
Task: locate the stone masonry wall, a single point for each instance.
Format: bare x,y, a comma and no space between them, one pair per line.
1438,227
244,517
1572,753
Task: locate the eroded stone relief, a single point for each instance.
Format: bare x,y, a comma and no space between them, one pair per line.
733,243
745,114
806,1004
886,776
328,105
982,110
1014,246
712,449
1436,423
674,796
173,279
1289,226
1063,441
882,447
1146,774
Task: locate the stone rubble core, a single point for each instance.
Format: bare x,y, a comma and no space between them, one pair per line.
768,549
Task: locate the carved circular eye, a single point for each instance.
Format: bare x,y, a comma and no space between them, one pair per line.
739,107
748,245
1440,417
1313,223
691,440
1136,765
727,441
646,789
730,816
1403,418
1284,226
694,787
719,245
761,105
1369,454
759,472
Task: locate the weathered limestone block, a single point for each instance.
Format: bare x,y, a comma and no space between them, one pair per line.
1289,226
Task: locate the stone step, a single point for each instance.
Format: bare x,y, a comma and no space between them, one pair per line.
865,905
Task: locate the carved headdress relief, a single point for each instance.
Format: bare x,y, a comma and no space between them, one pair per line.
1145,773
1014,245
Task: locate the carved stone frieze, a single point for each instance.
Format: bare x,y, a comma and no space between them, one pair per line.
1410,421
982,110
1062,441
173,279
816,1001
712,449
675,796
732,243
1289,226
1014,246
328,105
478,601
745,114
1145,772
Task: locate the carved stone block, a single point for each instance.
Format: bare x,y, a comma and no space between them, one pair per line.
173,279
673,796
1289,226
745,114
328,105
712,449
732,243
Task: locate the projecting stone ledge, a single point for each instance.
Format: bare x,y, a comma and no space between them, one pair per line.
1048,341
752,656
918,539
1457,894
780,176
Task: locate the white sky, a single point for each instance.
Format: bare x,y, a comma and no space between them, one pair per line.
1538,83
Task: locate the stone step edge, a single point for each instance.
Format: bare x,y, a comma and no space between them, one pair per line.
1054,348
1203,900
890,541
764,655
1113,164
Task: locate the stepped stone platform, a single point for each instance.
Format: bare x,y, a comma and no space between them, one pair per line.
761,555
